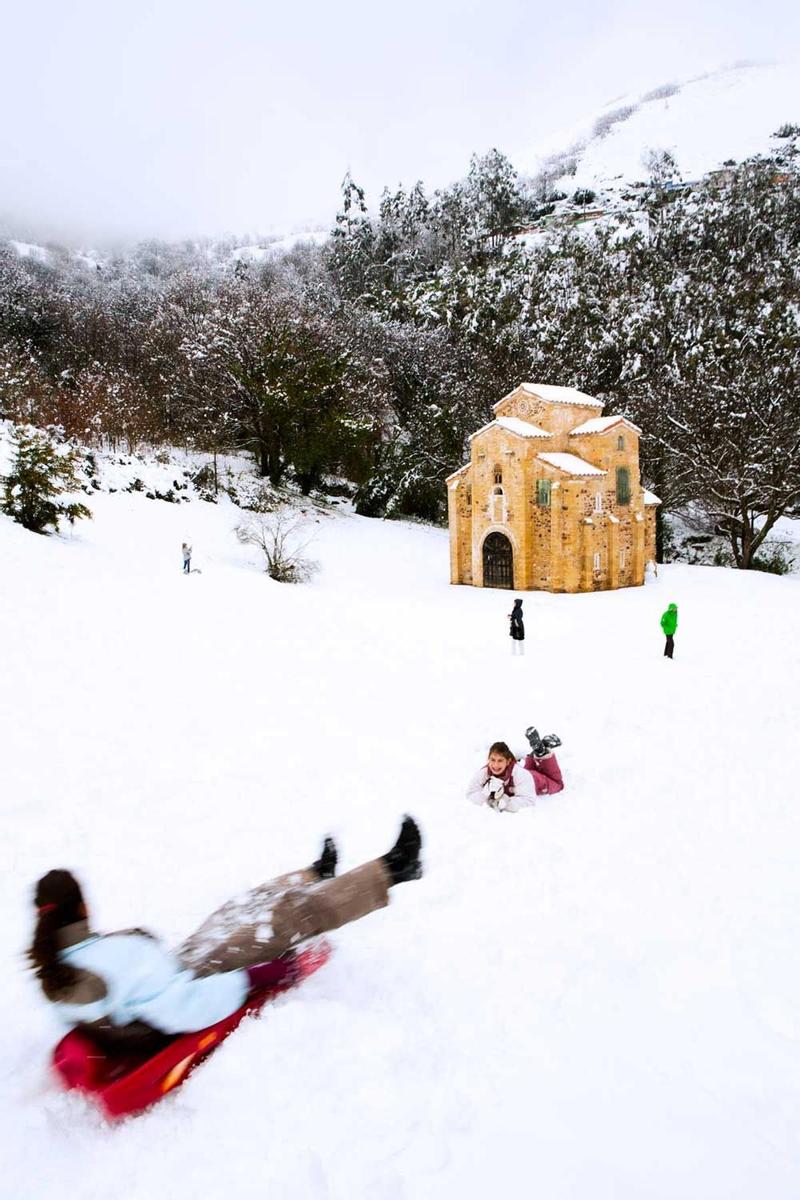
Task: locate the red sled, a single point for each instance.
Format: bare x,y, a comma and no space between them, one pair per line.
123,1084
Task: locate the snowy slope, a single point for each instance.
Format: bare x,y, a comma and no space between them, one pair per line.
598,997
728,114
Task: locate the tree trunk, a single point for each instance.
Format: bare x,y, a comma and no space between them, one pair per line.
660,530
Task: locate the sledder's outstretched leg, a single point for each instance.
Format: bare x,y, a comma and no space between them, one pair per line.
279,915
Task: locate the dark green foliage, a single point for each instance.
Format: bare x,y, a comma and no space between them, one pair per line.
40,473
776,560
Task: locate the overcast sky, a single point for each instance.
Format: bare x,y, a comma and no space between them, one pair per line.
200,117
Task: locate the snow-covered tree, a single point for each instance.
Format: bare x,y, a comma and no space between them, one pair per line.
40,473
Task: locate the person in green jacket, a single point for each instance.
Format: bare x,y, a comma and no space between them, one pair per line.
669,623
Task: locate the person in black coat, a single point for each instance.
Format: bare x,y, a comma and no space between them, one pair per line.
517,628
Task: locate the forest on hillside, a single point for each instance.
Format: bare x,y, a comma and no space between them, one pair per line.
373,356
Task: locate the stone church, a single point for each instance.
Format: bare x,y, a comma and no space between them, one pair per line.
551,498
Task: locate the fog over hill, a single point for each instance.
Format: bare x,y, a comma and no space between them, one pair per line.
703,122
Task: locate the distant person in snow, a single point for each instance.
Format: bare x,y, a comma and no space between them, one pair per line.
125,989
186,550
669,623
507,785
517,628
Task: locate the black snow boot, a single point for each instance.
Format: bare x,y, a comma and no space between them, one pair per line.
325,866
402,861
538,748
551,740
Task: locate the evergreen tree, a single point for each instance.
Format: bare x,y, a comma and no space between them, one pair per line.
40,473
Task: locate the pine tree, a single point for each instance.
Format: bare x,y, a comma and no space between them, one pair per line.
40,473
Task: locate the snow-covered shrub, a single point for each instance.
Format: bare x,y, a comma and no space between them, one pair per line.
253,494
775,558
282,540
42,470
205,483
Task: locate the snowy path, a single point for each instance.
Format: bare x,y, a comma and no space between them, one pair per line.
597,998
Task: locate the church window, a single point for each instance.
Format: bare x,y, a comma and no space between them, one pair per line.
620,442
543,493
623,485
498,475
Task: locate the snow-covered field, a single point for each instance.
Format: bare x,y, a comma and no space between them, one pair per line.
596,998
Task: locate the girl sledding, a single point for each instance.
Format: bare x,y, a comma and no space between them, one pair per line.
507,785
125,990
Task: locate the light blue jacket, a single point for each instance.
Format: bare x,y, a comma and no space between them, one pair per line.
144,982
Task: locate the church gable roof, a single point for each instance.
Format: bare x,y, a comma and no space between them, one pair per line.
570,464
552,394
459,472
602,425
524,428
514,425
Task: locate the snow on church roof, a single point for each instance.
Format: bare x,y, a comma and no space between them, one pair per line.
571,464
555,395
514,425
460,471
650,497
601,424
523,428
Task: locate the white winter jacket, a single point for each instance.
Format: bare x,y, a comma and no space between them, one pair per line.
141,981
524,791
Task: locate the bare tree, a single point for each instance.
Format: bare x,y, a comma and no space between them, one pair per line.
282,539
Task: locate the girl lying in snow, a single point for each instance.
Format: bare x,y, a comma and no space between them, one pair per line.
124,989
507,786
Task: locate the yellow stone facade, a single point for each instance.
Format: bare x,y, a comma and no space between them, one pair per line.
551,498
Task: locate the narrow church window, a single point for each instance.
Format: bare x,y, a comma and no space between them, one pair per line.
469,493
597,561
622,559
498,475
620,442
543,493
623,485
598,502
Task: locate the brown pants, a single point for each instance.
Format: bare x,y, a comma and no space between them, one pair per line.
277,916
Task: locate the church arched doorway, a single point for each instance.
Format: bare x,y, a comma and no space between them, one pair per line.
498,561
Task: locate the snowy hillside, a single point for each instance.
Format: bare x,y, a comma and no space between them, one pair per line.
702,122
596,998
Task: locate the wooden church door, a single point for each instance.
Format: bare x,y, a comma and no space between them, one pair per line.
498,562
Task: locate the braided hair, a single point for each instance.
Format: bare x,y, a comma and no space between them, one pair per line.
59,902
